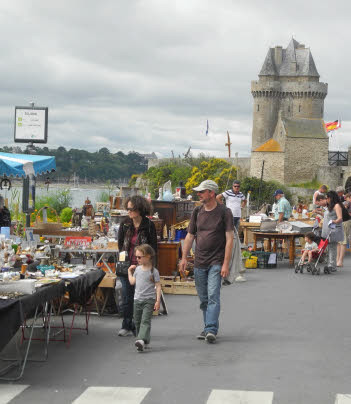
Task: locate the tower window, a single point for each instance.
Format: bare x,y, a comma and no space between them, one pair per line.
258,107
299,108
289,108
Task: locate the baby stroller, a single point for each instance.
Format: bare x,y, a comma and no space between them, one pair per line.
318,257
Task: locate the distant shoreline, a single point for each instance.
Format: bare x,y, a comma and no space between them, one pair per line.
41,184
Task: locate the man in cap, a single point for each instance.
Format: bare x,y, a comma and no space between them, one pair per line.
234,200
211,224
283,211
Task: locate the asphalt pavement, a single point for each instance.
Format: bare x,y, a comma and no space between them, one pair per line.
284,339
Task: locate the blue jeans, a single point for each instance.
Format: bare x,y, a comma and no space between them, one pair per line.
208,286
236,221
127,304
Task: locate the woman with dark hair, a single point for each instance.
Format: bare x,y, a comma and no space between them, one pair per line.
135,230
332,227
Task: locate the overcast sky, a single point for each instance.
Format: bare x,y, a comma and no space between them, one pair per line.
146,75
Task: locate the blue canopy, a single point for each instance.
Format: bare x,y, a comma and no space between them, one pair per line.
22,165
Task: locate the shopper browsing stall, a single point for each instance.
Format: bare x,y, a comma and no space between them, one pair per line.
137,229
147,297
212,225
5,215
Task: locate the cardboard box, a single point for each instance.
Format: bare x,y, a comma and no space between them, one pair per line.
109,281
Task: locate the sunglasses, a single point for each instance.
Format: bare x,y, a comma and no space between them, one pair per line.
139,257
201,192
131,209
236,186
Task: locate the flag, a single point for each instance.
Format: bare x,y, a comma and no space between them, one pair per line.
329,126
207,128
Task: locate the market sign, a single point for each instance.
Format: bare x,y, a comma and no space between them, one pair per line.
73,241
31,124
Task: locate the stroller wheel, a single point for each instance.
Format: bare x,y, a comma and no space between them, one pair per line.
297,268
318,271
309,267
326,270
301,269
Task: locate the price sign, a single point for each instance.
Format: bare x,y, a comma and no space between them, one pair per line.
73,241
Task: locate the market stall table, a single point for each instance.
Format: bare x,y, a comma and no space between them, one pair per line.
289,237
102,258
247,228
15,312
80,290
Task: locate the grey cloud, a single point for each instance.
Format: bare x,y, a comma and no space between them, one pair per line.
145,75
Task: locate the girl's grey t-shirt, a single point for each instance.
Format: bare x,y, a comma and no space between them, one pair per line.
144,286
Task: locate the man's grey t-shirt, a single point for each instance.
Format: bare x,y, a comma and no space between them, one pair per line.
144,286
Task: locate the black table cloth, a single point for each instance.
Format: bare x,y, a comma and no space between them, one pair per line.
13,312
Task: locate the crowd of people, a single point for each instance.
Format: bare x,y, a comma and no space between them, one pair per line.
213,225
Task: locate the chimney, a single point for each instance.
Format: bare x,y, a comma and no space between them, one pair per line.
278,55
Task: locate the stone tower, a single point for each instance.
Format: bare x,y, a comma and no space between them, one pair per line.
288,84
288,131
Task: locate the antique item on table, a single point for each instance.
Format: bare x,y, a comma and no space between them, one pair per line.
165,232
43,224
88,209
77,217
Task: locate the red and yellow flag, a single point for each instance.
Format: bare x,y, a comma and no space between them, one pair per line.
329,126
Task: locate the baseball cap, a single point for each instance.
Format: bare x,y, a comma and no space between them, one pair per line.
278,192
207,184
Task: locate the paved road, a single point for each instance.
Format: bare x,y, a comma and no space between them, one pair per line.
284,339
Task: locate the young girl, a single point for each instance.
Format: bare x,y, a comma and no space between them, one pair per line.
147,295
310,247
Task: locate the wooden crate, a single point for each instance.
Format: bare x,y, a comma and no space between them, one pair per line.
175,286
168,279
167,287
184,288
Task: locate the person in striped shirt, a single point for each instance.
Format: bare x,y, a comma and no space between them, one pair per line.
234,200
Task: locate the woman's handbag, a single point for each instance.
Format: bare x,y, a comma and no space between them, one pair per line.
122,268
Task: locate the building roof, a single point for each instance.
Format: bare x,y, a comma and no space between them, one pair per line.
270,146
304,128
297,60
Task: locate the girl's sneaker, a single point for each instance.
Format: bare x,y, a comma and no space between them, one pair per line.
140,345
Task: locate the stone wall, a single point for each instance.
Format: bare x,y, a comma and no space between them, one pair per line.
333,176
303,157
273,165
304,193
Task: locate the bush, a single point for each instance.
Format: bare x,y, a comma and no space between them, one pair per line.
58,201
214,169
267,190
66,215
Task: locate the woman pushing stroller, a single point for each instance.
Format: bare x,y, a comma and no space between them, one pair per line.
332,228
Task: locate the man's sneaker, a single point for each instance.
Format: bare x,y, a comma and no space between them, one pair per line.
147,346
225,282
202,335
240,278
210,338
140,345
124,333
